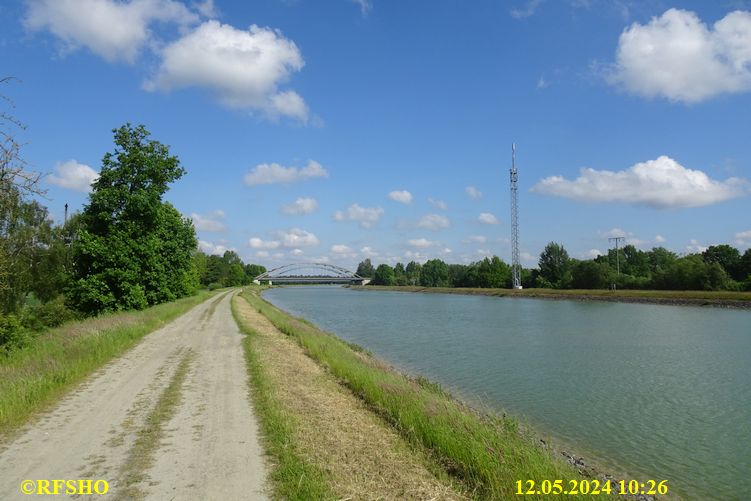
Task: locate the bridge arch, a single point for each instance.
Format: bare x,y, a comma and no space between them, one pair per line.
310,273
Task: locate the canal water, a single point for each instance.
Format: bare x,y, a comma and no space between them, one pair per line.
660,392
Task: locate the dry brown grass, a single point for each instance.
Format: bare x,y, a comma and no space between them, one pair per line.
362,455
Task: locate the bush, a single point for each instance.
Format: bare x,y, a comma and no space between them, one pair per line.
50,314
12,334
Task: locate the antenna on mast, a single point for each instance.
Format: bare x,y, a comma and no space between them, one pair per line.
516,268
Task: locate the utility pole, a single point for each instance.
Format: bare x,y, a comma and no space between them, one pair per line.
617,261
516,267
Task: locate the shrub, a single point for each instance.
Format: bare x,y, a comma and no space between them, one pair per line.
50,314
13,336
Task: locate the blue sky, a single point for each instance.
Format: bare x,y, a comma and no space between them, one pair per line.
339,130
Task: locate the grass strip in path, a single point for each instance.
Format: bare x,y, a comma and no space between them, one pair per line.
326,443
35,377
149,437
488,453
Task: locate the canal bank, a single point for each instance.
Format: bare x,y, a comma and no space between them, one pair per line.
660,389
487,454
718,299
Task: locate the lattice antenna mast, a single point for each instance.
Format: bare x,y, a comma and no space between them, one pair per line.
516,268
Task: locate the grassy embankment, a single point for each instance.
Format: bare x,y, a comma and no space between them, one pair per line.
718,298
293,477
488,454
34,377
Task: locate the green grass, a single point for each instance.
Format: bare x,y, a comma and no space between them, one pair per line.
575,293
488,453
149,437
33,378
293,477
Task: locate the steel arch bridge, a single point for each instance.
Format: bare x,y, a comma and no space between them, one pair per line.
311,273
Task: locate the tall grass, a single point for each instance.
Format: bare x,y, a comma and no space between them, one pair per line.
34,377
293,477
489,453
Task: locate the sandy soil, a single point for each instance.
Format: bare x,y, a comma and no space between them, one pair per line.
209,447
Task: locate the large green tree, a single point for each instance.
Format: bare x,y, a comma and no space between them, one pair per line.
384,275
555,265
134,249
434,273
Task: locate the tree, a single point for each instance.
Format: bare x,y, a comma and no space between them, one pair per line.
413,270
493,273
134,250
726,256
590,275
554,265
434,273
400,274
384,275
365,269
745,265
19,221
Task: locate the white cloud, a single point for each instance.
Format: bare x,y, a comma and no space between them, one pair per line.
542,83
473,192
679,57
113,30
210,222
433,222
297,252
275,173
301,206
297,238
416,256
73,176
660,183
367,217
480,239
343,251
615,233
695,247
438,204
592,253
488,218
207,8
257,243
420,243
528,258
243,68
402,196
528,10
659,239
368,252
743,238
211,248
628,237
365,6
262,254
483,253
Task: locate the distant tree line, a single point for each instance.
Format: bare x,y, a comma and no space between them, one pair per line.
127,249
719,267
227,270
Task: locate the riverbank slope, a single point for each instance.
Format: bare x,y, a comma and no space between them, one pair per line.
720,299
487,454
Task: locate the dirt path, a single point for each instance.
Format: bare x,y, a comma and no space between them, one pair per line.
363,457
170,419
